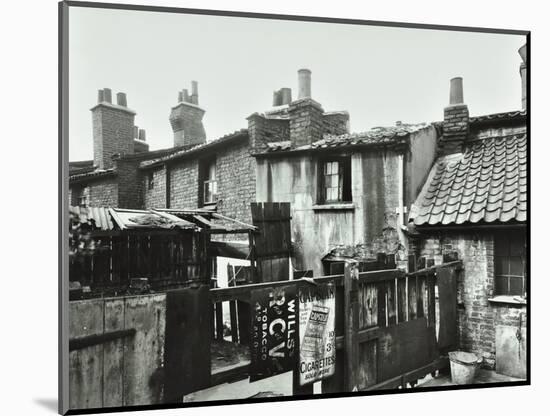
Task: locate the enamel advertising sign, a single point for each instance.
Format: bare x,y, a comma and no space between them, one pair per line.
274,331
317,338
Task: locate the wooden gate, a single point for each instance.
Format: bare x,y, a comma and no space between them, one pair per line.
273,247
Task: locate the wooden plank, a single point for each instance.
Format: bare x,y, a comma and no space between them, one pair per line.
219,320
187,346
391,302
452,265
113,354
368,305
367,368
431,300
351,324
381,275
405,347
411,292
446,283
233,305
402,303
381,303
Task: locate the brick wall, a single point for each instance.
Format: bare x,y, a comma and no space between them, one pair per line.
130,190
455,129
477,317
336,123
264,130
156,196
184,184
306,122
104,193
236,176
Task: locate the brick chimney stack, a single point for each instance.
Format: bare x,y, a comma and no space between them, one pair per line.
305,114
456,126
523,72
186,118
113,128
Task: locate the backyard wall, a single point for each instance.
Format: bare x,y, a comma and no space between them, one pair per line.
125,371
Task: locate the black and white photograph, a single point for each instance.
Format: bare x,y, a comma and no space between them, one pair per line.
268,208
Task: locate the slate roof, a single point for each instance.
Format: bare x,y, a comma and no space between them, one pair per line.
193,149
98,173
377,136
485,184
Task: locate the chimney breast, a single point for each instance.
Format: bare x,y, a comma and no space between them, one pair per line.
186,118
456,121
304,83
113,129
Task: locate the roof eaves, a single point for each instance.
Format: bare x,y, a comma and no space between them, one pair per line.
239,134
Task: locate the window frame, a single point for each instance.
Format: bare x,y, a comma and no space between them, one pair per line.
510,253
206,167
344,180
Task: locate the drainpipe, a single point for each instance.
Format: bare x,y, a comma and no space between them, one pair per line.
401,198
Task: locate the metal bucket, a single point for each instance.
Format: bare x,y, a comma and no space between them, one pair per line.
464,366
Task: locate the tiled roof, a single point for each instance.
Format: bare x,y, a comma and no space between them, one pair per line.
485,184
510,115
191,150
374,137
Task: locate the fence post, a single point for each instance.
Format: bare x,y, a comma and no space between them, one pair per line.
187,342
351,323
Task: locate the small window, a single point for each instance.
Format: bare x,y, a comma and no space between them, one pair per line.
509,259
335,180
150,180
84,197
208,183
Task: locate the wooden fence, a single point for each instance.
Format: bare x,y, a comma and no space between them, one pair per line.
166,258
387,334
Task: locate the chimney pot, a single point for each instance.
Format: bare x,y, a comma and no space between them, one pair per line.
100,96
195,92
107,95
276,98
136,134
121,99
456,93
304,83
185,95
285,95
180,96
141,135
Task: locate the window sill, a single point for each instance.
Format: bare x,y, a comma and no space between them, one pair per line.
508,300
342,206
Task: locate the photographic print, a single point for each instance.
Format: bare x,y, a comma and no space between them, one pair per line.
263,208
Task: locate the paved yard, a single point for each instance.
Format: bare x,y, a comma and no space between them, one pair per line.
482,376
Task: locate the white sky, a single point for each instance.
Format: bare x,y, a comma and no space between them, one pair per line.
378,74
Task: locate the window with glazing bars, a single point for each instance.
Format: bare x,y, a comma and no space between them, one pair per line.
509,258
